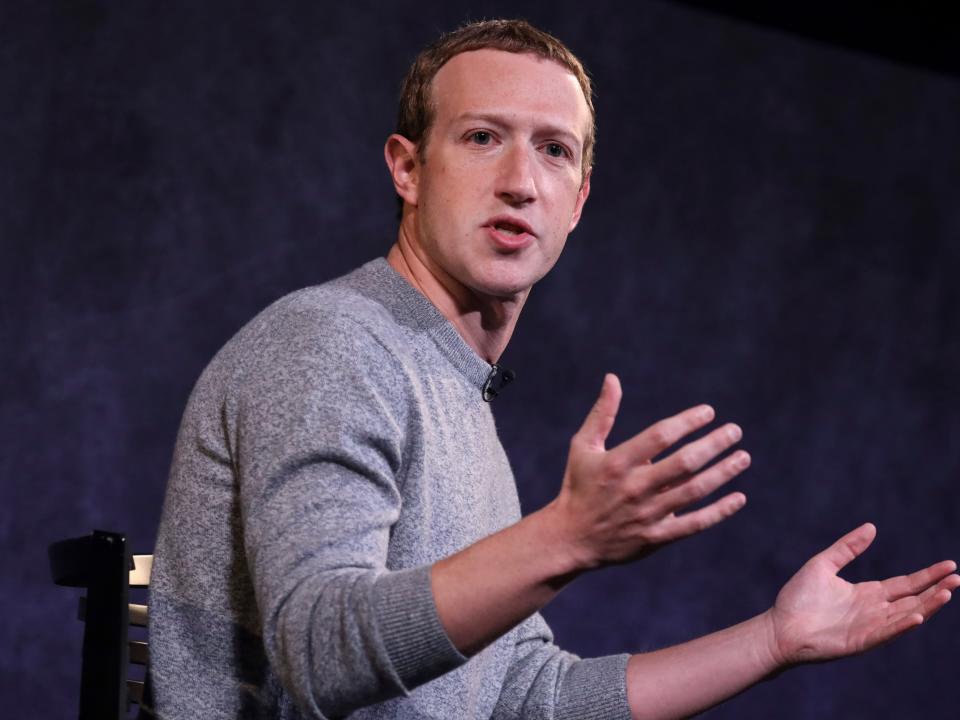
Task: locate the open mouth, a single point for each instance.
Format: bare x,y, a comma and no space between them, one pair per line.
509,228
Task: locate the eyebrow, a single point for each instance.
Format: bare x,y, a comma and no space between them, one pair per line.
501,121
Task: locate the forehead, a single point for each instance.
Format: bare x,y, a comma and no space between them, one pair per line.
518,84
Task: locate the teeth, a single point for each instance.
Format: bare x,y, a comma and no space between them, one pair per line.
509,229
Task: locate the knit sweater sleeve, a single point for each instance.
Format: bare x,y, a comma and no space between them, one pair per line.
547,683
319,436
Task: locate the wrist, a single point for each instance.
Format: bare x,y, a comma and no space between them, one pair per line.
570,554
774,655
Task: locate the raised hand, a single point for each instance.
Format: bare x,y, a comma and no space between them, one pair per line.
618,504
818,615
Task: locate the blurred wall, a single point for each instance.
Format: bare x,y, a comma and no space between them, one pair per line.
773,229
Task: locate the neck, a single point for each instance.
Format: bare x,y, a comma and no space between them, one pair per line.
485,323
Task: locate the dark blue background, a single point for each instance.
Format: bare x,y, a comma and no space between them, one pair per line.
773,229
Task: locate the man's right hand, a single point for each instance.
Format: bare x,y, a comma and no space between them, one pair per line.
616,505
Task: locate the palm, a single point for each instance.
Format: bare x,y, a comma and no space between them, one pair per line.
818,615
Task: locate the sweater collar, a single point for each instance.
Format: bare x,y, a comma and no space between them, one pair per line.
408,303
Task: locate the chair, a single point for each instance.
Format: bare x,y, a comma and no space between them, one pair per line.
101,563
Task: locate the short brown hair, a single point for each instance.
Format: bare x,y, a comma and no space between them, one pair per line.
416,113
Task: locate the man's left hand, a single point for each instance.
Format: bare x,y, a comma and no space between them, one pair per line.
819,616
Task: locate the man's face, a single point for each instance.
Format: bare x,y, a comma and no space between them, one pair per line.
502,183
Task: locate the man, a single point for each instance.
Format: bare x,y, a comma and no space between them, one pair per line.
341,534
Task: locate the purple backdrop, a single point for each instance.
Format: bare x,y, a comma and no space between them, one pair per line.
773,229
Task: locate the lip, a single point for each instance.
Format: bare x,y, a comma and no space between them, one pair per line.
508,241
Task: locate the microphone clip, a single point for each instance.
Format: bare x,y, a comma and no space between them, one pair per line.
498,379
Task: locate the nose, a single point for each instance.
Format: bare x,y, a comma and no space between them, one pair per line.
516,184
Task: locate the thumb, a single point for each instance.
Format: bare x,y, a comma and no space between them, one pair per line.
599,421
850,546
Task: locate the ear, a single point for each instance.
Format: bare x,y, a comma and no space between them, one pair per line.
582,196
401,156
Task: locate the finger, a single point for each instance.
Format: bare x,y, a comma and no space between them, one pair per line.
702,484
940,598
951,582
849,547
692,457
928,602
661,435
892,629
599,421
917,582
938,595
681,526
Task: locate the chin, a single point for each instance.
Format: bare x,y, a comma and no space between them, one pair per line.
506,285
506,276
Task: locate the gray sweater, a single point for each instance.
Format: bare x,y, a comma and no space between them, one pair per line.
332,451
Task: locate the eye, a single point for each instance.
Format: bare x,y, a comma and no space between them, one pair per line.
481,137
556,150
